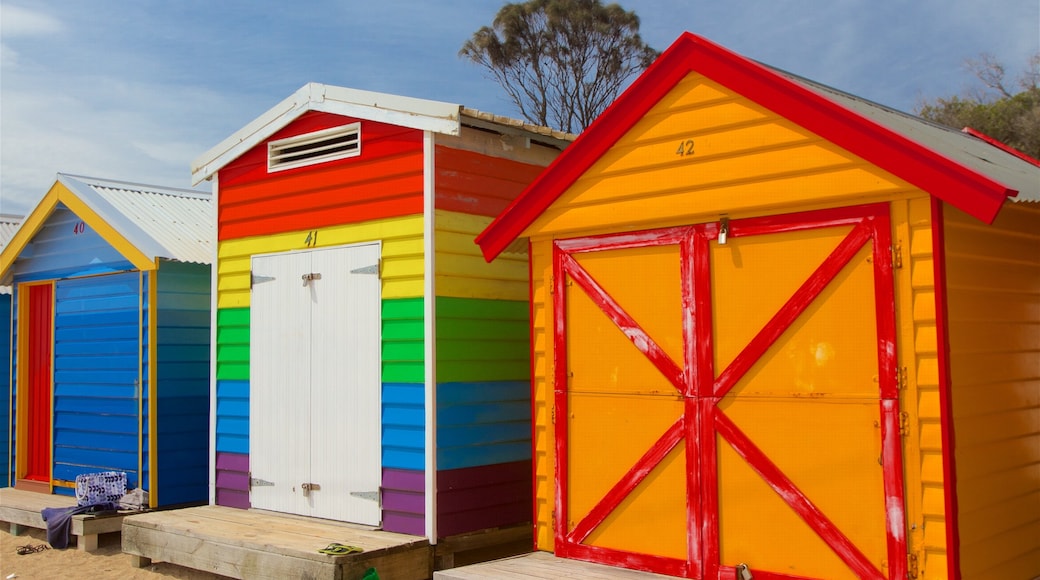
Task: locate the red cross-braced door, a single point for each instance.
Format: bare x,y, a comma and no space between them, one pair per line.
731,401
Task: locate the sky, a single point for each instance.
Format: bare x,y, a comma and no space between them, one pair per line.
135,90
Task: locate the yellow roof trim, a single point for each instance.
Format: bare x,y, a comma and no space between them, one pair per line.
59,193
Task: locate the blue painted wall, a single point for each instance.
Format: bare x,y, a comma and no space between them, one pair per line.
64,249
5,389
182,378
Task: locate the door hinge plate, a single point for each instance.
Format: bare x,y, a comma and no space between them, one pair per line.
369,495
255,279
373,269
257,482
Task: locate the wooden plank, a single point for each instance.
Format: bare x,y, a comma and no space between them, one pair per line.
257,562
541,565
293,534
259,544
22,508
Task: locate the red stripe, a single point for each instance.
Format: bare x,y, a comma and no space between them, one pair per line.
793,308
623,559
631,329
38,431
657,452
559,301
892,474
786,489
942,338
661,237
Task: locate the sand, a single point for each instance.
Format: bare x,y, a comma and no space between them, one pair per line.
108,561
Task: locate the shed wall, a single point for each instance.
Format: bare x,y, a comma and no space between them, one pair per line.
5,389
993,290
66,247
643,181
182,380
402,323
384,181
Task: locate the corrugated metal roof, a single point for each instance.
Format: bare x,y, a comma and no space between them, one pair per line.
162,222
972,152
8,226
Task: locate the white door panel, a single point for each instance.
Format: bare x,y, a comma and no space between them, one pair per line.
315,382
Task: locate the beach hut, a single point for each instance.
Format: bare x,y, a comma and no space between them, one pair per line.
110,360
780,331
8,223
370,366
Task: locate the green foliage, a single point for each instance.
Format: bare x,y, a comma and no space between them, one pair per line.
1012,118
561,62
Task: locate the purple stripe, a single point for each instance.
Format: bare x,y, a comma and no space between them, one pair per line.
404,501
478,498
404,480
235,499
404,523
233,462
232,480
468,477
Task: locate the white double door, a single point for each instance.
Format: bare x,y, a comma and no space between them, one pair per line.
314,406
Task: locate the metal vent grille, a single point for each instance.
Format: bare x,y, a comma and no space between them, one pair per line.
312,148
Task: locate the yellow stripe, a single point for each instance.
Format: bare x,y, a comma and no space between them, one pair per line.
402,255
462,272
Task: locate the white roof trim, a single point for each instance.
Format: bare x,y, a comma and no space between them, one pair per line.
421,114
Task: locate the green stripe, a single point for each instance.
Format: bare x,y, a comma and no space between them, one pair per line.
233,344
477,340
482,340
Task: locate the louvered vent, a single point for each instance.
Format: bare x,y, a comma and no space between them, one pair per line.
317,147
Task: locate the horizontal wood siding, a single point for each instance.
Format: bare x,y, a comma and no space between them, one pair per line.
482,340
483,389
488,496
97,369
5,389
920,400
474,183
463,272
384,181
738,158
993,289
66,247
404,501
483,423
182,382
544,433
401,261
232,480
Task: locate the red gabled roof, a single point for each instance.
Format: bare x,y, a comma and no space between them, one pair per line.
970,191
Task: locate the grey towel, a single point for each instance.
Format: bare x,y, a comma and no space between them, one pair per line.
59,521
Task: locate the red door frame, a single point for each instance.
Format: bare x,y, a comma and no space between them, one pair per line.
702,390
36,339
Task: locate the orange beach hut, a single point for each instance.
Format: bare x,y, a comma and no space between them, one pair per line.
779,331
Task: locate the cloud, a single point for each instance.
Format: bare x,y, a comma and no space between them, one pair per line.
18,21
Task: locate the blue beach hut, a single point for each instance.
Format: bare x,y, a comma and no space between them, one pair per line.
110,292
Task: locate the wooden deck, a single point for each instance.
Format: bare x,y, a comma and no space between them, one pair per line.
541,565
20,508
261,545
